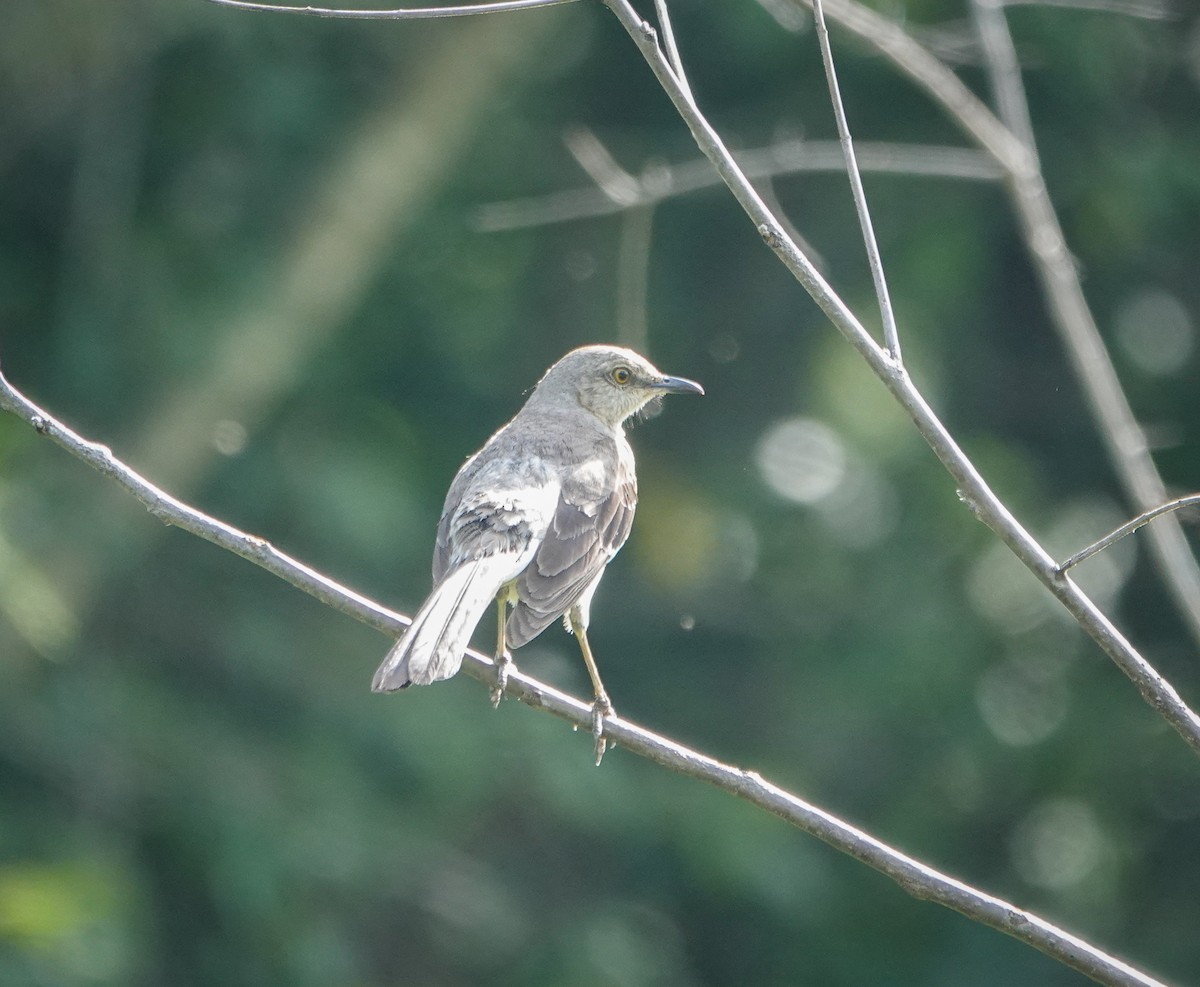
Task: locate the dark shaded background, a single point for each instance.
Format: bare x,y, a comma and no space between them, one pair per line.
241,249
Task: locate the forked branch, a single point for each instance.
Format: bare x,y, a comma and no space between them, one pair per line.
1128,528
1049,253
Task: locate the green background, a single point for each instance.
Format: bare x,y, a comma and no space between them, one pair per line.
244,251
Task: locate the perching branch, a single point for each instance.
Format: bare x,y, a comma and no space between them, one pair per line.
915,877
973,489
398,13
1128,528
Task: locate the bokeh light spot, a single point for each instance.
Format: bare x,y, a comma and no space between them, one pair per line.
229,437
866,509
1155,332
1022,701
801,460
1058,844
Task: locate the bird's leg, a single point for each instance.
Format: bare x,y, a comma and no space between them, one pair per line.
503,658
602,706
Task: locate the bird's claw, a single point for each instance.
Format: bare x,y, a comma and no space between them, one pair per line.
503,662
601,708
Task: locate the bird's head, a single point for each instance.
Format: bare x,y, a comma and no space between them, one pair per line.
609,381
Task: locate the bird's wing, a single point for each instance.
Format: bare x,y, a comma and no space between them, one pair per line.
497,504
454,496
585,533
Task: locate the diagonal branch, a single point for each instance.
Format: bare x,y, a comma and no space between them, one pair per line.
1003,69
972,488
890,333
915,877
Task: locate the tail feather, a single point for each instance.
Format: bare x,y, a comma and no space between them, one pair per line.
432,647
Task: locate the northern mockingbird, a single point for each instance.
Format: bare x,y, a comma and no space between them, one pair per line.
532,519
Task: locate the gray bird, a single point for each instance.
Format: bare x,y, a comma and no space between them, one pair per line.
532,519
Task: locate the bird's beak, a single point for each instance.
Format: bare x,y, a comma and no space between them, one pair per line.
677,385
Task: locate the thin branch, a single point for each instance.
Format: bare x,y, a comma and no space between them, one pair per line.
396,13
672,49
1128,528
973,489
784,158
915,877
1003,69
891,334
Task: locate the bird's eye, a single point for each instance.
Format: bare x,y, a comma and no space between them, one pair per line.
621,375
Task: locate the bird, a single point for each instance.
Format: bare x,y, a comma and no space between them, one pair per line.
532,519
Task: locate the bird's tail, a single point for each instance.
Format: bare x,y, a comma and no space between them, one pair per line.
432,647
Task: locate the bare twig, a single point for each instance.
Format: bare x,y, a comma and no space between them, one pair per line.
973,489
397,13
1003,69
890,333
917,878
784,158
672,49
1128,528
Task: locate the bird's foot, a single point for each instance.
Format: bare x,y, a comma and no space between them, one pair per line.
601,708
504,663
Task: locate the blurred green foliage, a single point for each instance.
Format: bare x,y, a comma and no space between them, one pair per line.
241,249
